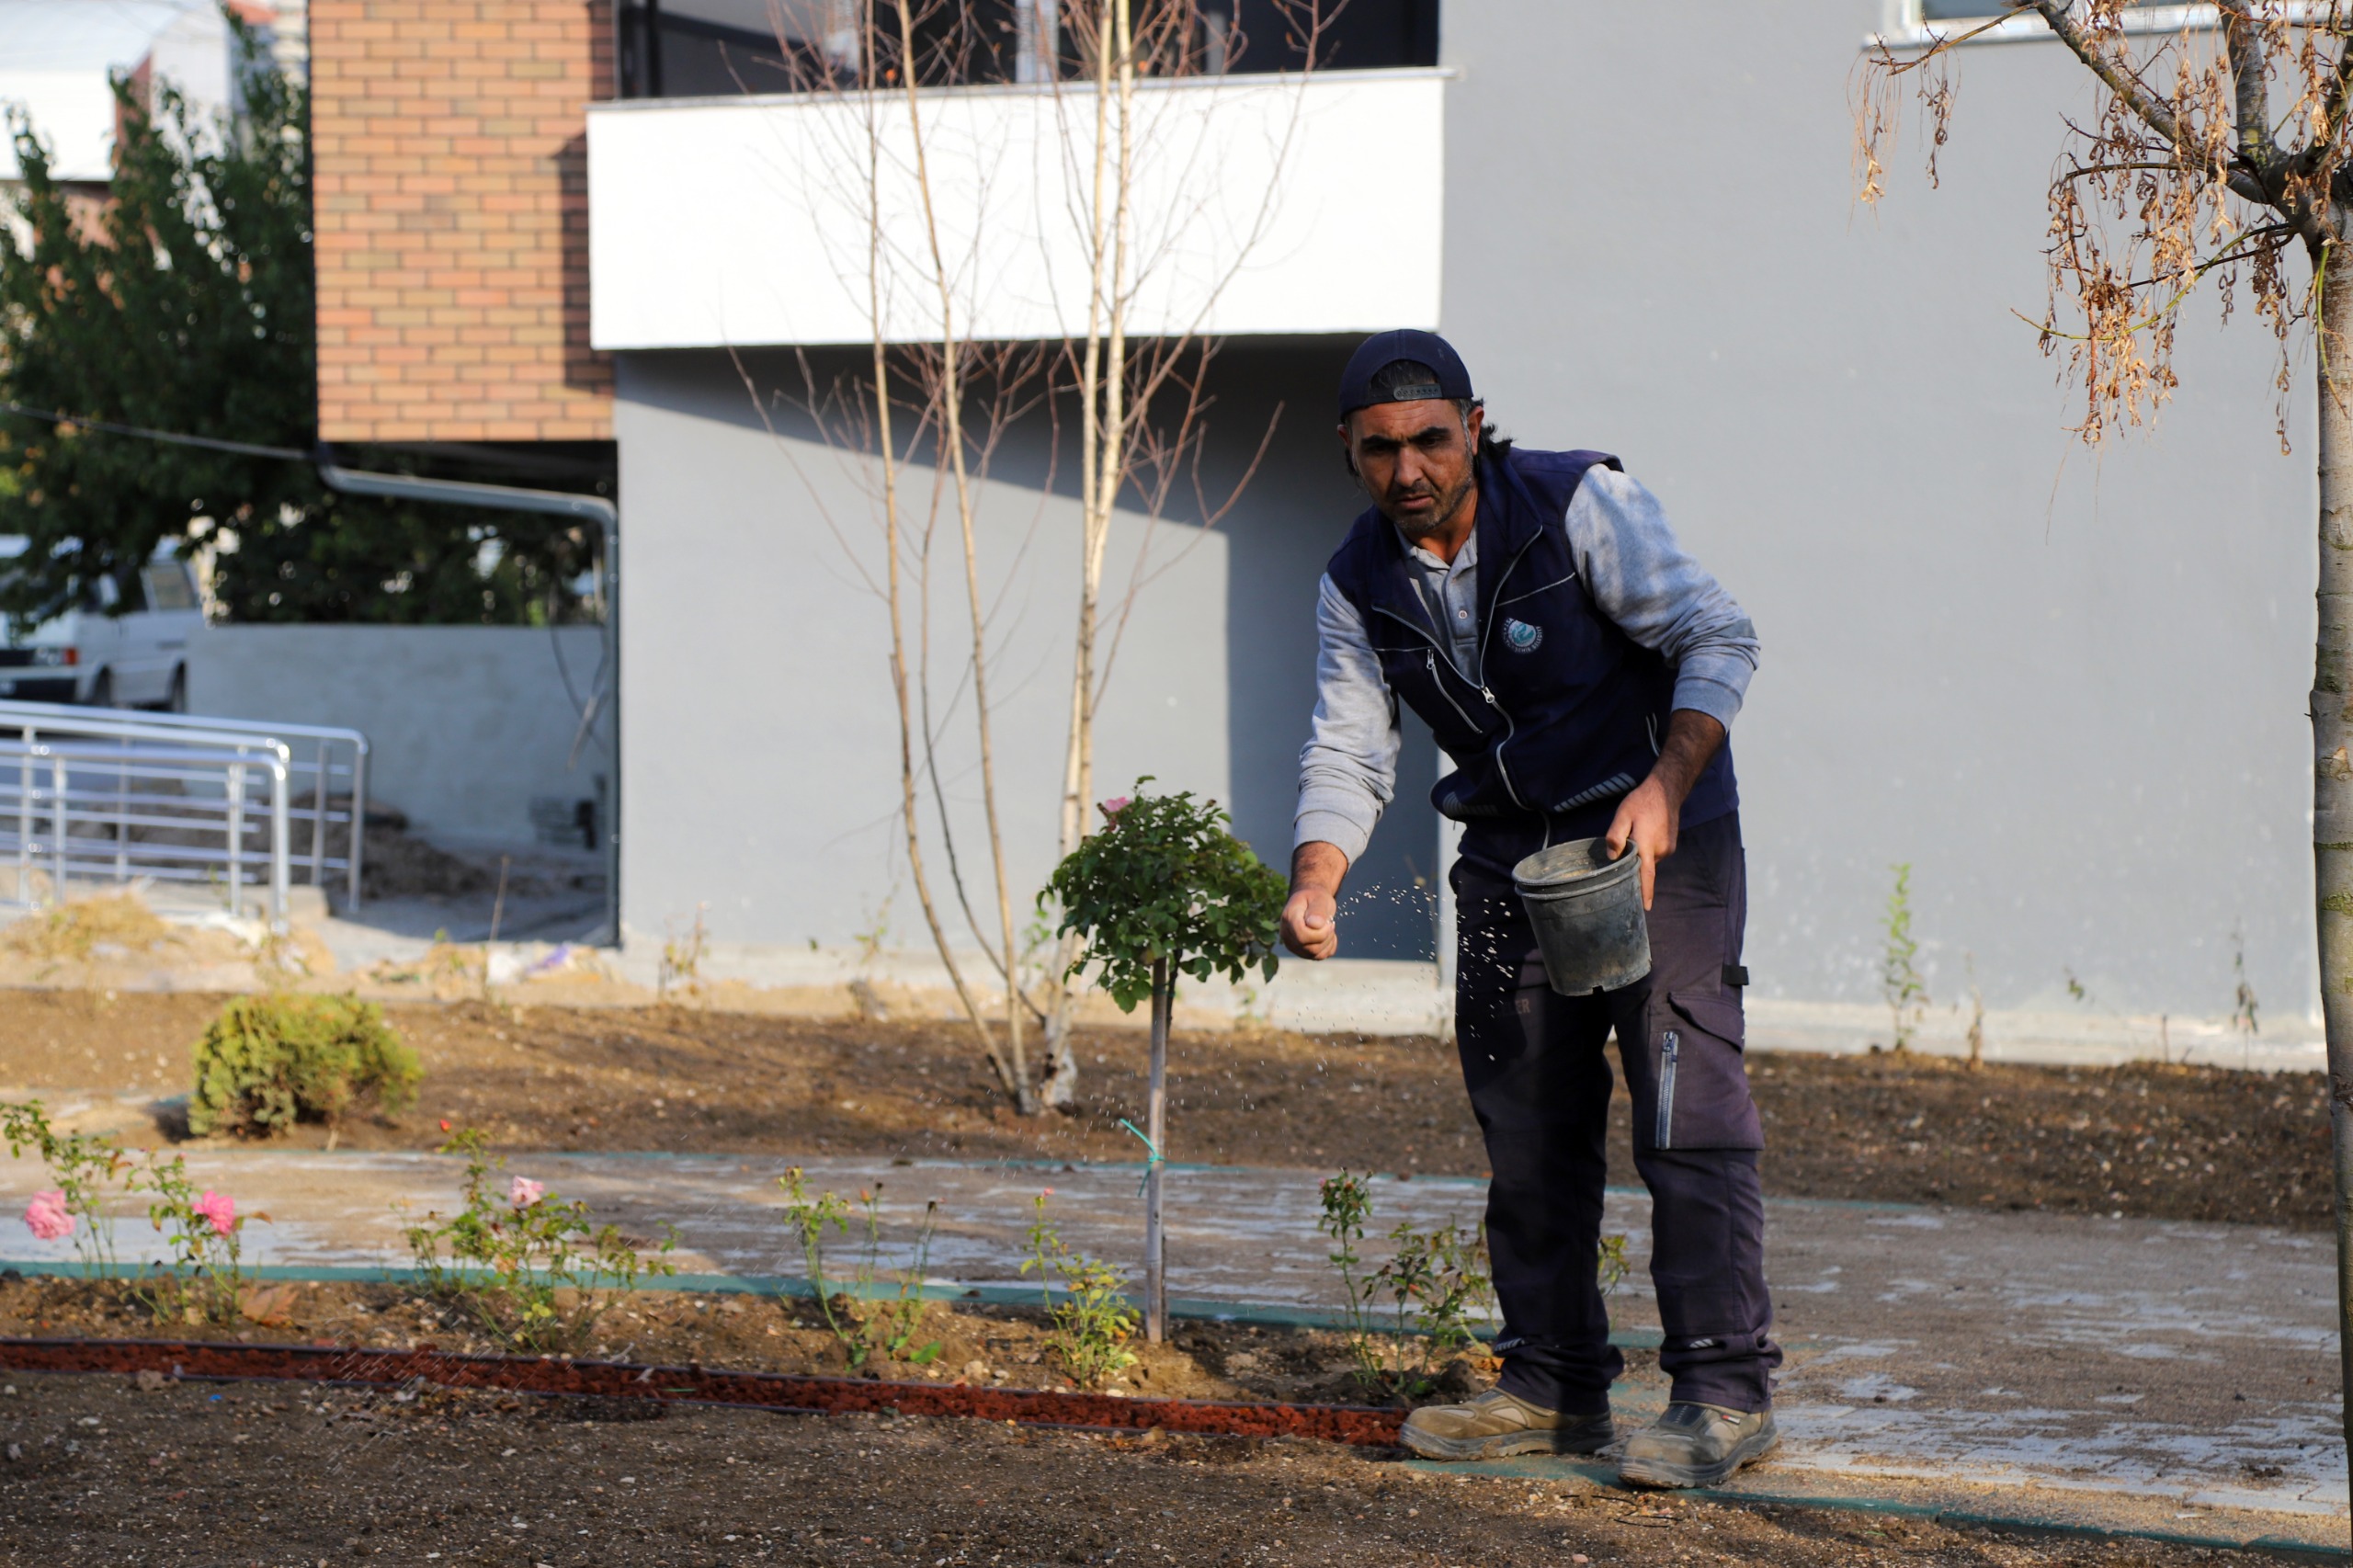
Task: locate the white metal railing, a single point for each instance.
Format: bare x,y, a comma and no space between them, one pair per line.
102,794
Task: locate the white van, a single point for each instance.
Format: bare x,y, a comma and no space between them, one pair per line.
124,646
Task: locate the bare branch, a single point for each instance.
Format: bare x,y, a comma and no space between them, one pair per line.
2114,74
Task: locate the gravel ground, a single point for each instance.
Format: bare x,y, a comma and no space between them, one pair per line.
97,1470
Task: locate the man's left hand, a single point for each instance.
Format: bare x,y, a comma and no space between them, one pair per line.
1648,818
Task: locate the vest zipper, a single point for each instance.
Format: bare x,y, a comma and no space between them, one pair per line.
1431,660
1503,771
1670,1047
1485,631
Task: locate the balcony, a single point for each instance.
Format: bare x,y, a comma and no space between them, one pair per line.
1265,204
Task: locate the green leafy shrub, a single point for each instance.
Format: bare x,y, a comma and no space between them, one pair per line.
861,1319
1166,889
1439,1285
269,1062
1093,1320
206,1279
85,1166
529,1263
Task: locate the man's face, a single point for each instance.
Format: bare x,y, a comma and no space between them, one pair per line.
1414,459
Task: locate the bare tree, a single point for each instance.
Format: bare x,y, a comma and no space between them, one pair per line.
1144,403
876,67
1143,400
2218,148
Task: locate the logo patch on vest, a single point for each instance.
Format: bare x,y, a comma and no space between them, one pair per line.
1521,637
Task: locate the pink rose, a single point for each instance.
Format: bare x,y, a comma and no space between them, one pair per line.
1113,807
524,1192
220,1209
46,1217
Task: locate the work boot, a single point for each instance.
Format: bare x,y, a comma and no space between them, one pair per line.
1697,1445
1498,1424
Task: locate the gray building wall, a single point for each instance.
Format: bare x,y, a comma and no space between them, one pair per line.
762,772
2067,685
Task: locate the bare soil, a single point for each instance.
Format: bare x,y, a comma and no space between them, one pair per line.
97,1470
2144,1140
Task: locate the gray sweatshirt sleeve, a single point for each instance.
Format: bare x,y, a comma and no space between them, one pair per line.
1641,579
1347,771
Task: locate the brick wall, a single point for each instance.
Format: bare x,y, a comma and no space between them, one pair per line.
450,181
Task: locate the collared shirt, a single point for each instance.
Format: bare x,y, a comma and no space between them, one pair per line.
1633,570
1450,593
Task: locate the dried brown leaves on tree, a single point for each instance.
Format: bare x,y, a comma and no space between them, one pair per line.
2216,143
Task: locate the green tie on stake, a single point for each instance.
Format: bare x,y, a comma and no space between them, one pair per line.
1165,889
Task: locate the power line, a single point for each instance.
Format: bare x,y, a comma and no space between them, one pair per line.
242,448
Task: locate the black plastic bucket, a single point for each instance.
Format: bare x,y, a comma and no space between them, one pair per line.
1587,911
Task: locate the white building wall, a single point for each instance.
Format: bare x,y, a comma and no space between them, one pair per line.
746,220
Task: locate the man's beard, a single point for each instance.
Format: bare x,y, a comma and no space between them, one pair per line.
1433,522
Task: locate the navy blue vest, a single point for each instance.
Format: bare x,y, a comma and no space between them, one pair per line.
1572,709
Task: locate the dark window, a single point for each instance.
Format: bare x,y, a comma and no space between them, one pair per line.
1367,35
686,49
717,48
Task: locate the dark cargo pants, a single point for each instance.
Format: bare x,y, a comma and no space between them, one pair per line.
1539,1083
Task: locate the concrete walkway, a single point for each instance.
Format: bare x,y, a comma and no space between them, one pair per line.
2166,1376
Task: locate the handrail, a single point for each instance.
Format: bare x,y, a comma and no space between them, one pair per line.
71,713
231,756
204,730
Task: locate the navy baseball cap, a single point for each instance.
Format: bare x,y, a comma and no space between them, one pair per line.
1383,349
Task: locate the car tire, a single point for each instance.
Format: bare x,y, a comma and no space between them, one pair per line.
177,703
102,689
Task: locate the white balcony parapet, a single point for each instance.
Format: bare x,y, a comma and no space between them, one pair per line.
1264,205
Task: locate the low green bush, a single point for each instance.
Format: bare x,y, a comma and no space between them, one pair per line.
269,1062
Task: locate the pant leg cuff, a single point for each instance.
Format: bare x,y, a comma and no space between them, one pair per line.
1546,1393
1742,1396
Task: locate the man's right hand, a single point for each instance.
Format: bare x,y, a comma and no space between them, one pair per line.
1311,927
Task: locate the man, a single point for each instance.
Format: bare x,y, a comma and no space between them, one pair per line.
1581,671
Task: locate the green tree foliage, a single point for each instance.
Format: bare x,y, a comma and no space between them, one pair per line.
184,301
1166,879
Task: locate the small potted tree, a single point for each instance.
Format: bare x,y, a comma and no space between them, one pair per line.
1165,889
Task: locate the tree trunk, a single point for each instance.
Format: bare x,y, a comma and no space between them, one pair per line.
951,436
1155,1126
2332,713
1103,466
886,447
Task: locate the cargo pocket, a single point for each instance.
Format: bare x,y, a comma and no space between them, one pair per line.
1699,1095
